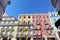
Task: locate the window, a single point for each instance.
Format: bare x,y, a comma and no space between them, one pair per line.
29,34
23,34
24,22
16,22
33,20
29,28
18,29
19,16
8,18
40,16
33,16
40,20
43,16
7,29
24,28
34,32
24,16
38,32
2,29
12,29
2,22
47,31
48,20
38,27
6,22
54,14
57,15
49,25
28,22
11,22
43,38
36,16
44,21
12,18
28,16
3,18
54,19
17,35
36,21
47,17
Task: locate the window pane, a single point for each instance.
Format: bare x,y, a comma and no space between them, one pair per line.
24,16
6,22
34,32
44,21
28,16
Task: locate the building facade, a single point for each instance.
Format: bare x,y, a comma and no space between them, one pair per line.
25,25
41,23
54,17
8,28
28,27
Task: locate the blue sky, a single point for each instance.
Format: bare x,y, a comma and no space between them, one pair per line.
28,6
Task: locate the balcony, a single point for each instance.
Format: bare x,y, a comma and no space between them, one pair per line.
29,34
29,28
8,23
3,29
53,34
24,24
23,35
18,35
11,35
12,29
18,29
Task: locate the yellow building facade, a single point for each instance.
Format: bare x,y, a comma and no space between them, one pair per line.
25,21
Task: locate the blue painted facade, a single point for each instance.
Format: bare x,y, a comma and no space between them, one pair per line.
53,18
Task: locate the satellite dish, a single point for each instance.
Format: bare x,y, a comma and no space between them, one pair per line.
54,3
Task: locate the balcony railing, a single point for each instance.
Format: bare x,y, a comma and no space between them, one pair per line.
51,34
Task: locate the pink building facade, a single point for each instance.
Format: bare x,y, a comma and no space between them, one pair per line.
41,22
